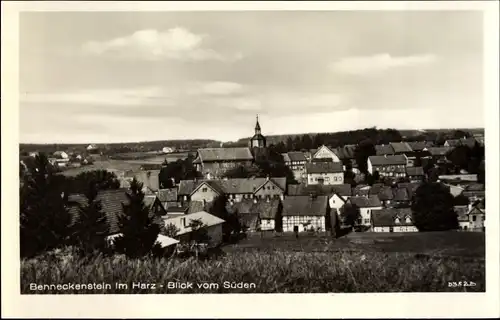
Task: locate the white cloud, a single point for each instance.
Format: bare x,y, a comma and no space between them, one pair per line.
177,43
377,63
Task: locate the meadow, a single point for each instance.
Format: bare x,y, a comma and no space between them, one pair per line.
356,263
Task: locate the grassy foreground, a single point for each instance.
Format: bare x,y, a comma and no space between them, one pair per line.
258,272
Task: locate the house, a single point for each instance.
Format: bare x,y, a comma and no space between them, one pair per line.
468,142
393,220
324,173
401,147
234,189
212,224
365,205
257,215
339,195
91,147
402,198
167,150
384,149
415,174
296,161
168,197
324,152
439,154
214,162
419,146
474,192
304,213
455,191
472,216
111,205
388,166
385,195
458,179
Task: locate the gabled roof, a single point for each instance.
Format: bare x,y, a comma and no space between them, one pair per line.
383,149
212,184
324,167
305,206
386,217
366,201
387,160
297,156
323,147
207,219
186,187
224,154
261,208
167,195
385,193
230,186
111,203
415,171
400,147
420,145
401,194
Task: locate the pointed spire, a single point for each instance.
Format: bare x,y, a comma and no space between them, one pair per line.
257,125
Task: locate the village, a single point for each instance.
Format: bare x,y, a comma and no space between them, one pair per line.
314,204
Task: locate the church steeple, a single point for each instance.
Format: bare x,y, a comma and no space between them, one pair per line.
257,126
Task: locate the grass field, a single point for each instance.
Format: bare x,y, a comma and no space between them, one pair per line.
356,263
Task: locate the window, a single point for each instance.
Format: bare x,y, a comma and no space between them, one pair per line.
183,222
273,187
473,218
367,221
204,189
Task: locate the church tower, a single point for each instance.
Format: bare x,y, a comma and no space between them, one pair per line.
258,140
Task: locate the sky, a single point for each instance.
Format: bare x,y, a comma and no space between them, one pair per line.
137,76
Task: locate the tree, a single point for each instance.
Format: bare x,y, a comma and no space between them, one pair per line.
182,169
364,150
242,172
232,224
198,236
460,157
137,225
44,218
101,180
169,230
432,208
349,175
90,228
350,215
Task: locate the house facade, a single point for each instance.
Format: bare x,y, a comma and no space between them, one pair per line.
212,224
328,173
304,213
471,217
296,161
214,162
365,205
324,152
388,166
415,174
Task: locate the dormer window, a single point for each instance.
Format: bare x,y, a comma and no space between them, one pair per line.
408,220
396,220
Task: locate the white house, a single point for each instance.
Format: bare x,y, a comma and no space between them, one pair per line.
339,196
91,147
327,173
304,213
60,155
365,205
324,152
212,223
167,150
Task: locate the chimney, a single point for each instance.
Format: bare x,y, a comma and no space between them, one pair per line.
268,199
254,200
62,195
173,181
267,178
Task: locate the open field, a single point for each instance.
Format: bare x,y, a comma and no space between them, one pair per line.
386,265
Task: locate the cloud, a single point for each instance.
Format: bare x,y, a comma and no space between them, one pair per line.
177,43
221,88
377,63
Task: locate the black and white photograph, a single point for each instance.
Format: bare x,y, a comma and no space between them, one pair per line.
253,151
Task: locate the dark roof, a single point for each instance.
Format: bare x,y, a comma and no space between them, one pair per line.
366,201
286,158
319,189
474,187
387,160
296,156
439,151
476,193
305,206
324,167
415,171
361,190
469,142
385,193
166,195
224,154
260,208
383,149
420,145
386,217
197,206
375,188
400,147
231,186
111,203
150,179
410,186
401,194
